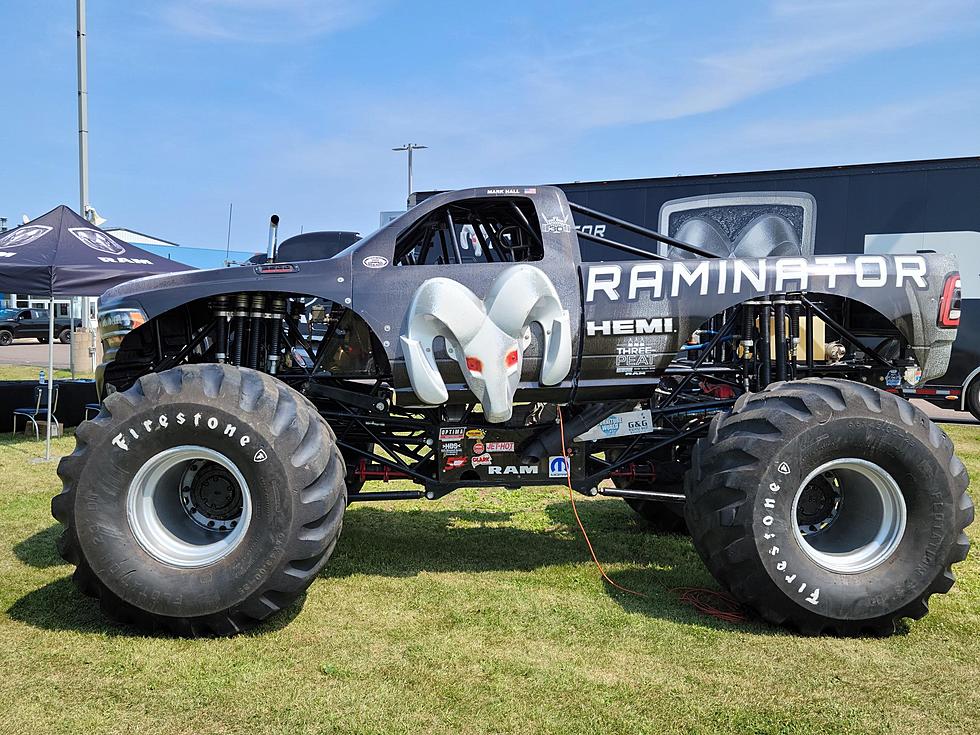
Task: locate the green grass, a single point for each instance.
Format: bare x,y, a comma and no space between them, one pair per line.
477,613
29,372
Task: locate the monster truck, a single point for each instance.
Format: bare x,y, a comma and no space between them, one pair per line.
466,344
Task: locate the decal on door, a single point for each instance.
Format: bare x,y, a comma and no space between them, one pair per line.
486,338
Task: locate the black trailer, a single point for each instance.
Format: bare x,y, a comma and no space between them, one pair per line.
899,207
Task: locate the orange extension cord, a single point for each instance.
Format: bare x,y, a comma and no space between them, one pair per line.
710,602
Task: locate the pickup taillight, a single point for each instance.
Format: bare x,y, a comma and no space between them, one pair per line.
949,302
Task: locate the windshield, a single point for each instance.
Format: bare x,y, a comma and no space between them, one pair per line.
9,313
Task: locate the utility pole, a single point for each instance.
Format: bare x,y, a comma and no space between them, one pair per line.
82,112
410,147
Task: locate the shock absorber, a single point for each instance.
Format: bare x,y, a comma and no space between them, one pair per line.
258,315
241,313
779,337
763,350
748,339
220,308
275,325
794,334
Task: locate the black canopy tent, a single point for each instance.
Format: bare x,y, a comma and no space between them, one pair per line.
61,254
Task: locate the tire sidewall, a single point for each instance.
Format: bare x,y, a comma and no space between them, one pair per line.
6,337
912,566
108,541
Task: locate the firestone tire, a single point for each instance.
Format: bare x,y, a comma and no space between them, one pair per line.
202,431
786,467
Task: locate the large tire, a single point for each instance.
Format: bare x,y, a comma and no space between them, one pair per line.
129,476
836,557
6,337
973,398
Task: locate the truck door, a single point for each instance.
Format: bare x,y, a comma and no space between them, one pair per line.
472,244
35,325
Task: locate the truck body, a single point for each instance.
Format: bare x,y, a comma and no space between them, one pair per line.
467,343
31,324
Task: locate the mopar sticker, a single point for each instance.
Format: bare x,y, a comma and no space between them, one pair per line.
558,467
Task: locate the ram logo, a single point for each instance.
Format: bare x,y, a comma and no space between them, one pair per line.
488,338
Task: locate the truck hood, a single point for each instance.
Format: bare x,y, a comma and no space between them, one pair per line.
155,295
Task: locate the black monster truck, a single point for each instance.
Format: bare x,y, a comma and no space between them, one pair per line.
244,408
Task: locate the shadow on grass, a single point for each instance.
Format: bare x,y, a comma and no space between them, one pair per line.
398,542
40,550
60,606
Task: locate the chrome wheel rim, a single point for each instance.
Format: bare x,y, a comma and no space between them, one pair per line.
189,506
849,515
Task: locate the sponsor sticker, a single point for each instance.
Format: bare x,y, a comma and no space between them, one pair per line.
454,463
635,357
452,433
500,446
375,261
478,448
483,459
620,424
893,379
452,448
558,466
475,434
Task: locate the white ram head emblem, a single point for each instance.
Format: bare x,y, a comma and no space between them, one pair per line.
486,339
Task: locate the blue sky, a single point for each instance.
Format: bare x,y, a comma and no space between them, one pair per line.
292,106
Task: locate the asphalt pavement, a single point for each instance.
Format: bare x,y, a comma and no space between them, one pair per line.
32,352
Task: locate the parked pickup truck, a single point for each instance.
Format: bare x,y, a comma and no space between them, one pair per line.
467,344
24,323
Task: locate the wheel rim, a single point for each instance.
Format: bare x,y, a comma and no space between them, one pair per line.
849,515
189,506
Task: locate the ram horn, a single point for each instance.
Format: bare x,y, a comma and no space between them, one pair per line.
440,308
524,295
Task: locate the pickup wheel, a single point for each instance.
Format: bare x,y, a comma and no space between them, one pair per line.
973,398
64,336
6,337
202,500
829,505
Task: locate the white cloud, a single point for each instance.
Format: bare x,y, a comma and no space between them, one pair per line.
270,21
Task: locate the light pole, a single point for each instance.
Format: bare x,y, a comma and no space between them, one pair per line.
409,147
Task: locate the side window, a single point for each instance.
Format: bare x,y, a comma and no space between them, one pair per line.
491,230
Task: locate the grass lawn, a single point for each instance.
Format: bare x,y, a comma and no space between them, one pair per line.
29,372
477,613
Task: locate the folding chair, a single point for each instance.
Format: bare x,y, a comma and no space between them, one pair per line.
39,410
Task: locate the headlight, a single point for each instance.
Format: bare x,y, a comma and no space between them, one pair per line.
115,324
